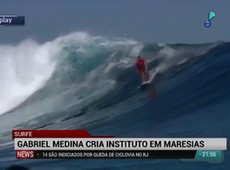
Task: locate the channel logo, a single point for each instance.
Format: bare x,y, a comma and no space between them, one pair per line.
12,20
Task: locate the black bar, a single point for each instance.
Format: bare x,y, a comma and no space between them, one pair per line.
12,20
19,20
122,154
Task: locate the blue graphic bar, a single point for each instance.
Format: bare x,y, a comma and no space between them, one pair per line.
12,20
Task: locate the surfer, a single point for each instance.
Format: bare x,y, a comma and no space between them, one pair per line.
142,68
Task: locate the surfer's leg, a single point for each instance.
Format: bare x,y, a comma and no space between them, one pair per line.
142,77
147,76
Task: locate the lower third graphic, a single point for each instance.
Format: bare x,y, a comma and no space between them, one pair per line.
12,20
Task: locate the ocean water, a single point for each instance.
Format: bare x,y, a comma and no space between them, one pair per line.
78,81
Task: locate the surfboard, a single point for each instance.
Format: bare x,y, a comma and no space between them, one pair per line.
148,82
144,85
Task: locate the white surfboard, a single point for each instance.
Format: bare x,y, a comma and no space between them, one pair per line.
151,79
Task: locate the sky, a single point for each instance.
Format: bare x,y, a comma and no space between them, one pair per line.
157,21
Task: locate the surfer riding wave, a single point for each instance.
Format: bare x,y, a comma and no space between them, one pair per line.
142,68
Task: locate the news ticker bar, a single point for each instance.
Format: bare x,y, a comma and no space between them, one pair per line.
208,155
12,20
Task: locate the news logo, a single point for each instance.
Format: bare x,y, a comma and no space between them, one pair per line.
12,20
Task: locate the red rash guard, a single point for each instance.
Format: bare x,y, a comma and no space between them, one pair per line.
140,65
